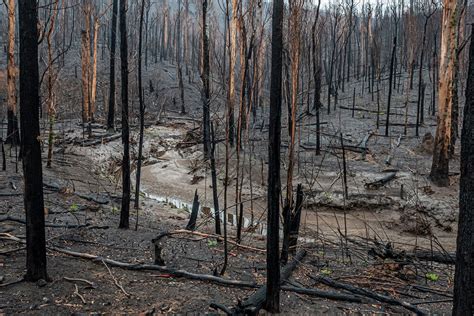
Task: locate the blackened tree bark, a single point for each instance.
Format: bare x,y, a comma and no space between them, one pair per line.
272,302
142,113
113,44
31,151
464,276
390,88
125,211
215,195
205,81
316,51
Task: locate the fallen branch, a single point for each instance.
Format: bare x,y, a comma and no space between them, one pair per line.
149,267
377,184
91,284
253,304
116,282
364,292
76,292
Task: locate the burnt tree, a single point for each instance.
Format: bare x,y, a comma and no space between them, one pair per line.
113,44
125,211
30,136
272,302
464,276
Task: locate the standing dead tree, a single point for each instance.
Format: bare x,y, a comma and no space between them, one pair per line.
272,302
113,45
30,142
294,29
448,59
463,303
125,211
13,134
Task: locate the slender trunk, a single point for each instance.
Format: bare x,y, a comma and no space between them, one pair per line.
125,211
390,88
206,94
13,134
113,45
142,113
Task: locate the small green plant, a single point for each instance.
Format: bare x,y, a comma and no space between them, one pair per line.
73,208
326,271
115,209
212,243
431,276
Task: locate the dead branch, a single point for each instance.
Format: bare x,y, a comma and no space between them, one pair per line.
76,292
364,292
116,282
377,184
254,303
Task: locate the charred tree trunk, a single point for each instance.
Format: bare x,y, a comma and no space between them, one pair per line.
390,88
464,277
206,93
215,195
316,50
125,211
113,45
272,302
142,112
31,151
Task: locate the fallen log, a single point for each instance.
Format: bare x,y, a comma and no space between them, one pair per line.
253,304
92,197
367,293
355,149
377,184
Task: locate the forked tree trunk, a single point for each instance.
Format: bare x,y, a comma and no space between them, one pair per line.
31,151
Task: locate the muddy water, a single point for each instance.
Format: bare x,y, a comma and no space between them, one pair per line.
206,213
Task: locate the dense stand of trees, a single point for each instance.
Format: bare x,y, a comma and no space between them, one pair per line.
306,53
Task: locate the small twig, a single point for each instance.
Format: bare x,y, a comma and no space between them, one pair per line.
80,280
117,283
76,292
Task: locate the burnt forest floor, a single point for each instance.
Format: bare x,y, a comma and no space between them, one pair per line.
395,240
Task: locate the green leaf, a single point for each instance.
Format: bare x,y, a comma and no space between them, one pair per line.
73,208
432,276
326,271
212,243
